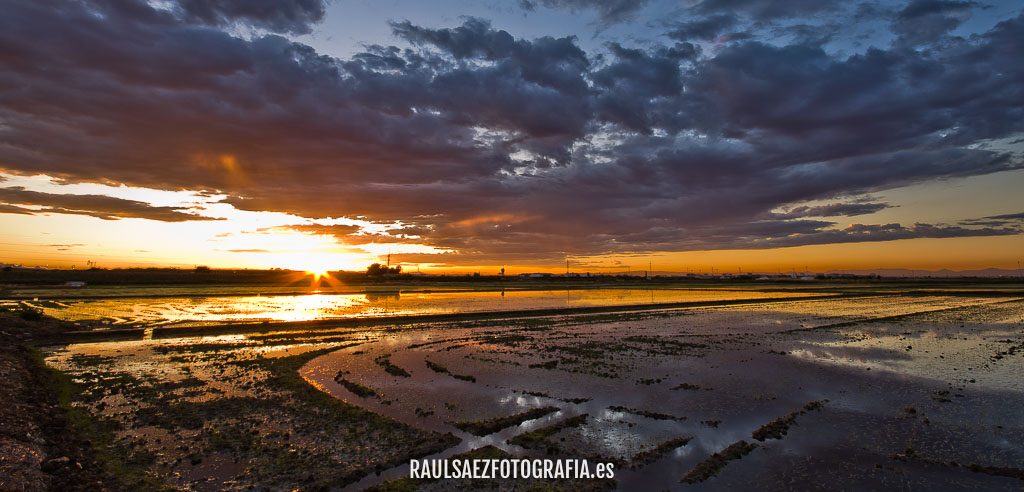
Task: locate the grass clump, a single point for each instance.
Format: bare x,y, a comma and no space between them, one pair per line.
506,340
534,439
714,464
490,426
438,368
29,313
653,454
356,388
385,362
645,413
127,470
778,428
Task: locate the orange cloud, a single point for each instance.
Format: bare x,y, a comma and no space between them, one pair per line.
493,219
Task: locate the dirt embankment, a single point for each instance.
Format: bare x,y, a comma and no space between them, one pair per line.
39,448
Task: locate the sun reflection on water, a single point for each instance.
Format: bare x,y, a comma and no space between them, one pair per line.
321,302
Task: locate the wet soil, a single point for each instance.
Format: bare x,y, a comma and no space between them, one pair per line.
40,446
923,391
714,397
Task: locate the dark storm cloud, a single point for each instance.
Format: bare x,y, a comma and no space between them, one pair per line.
924,21
514,91
706,29
284,16
474,38
809,34
502,147
639,87
856,233
763,10
101,206
1019,216
609,11
550,63
1003,220
834,210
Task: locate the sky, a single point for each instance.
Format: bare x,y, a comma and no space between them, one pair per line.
458,136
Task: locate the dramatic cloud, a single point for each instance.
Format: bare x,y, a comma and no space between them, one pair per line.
499,147
1018,216
769,10
16,199
1002,220
875,232
924,21
13,209
284,16
609,11
327,230
704,29
833,210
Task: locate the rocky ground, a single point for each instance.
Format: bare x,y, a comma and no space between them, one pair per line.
39,447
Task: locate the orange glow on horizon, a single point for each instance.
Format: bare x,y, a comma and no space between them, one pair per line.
241,239
922,254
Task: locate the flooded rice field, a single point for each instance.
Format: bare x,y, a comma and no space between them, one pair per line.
876,392
197,309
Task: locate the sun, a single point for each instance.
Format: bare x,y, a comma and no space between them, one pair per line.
317,273
317,265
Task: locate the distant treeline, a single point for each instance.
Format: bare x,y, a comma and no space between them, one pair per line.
383,275
146,276
212,276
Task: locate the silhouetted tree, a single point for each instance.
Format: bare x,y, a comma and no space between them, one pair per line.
378,270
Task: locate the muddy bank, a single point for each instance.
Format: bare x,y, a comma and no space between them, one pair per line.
231,413
660,393
40,446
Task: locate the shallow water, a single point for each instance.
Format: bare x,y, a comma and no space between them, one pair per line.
748,367
199,310
903,397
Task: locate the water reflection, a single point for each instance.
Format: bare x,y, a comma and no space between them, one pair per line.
195,310
943,382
